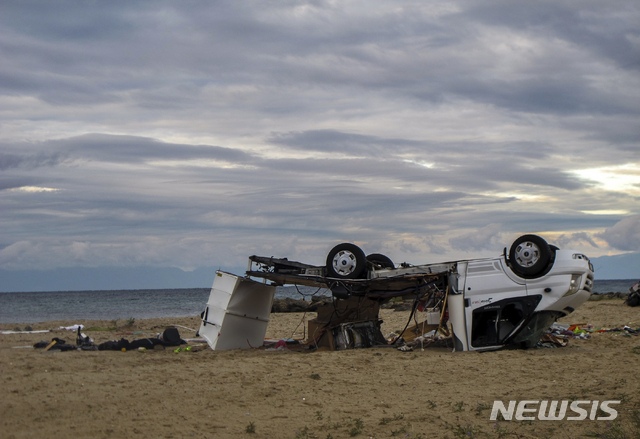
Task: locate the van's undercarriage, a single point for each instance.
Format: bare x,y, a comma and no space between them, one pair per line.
479,304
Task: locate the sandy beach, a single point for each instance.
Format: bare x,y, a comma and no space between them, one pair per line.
369,393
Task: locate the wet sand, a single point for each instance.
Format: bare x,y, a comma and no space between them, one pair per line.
378,392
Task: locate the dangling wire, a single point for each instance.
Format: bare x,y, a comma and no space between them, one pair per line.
413,311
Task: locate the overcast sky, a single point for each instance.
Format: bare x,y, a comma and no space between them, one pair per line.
197,133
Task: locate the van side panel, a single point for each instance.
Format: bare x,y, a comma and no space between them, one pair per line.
458,323
456,306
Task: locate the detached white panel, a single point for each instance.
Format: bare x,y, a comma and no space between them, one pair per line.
237,313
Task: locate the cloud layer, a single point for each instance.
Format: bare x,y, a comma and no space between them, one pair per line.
197,133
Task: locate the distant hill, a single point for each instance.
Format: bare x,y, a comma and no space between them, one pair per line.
625,266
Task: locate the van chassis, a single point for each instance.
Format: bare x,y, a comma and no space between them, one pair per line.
484,304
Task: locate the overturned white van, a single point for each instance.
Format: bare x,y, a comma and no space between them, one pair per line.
484,304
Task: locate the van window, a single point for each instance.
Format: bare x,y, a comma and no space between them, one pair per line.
493,324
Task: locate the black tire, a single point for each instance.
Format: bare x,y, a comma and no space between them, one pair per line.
529,256
633,299
379,261
346,261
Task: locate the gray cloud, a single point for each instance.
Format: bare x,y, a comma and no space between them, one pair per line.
29,160
625,234
132,149
198,133
592,28
489,236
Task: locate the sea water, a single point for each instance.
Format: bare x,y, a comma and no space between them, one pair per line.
121,304
76,306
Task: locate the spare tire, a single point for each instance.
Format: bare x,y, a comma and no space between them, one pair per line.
529,256
379,261
346,261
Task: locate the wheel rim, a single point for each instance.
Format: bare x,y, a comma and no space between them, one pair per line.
344,263
527,254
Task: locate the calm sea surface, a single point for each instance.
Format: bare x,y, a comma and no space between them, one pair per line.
76,306
111,305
